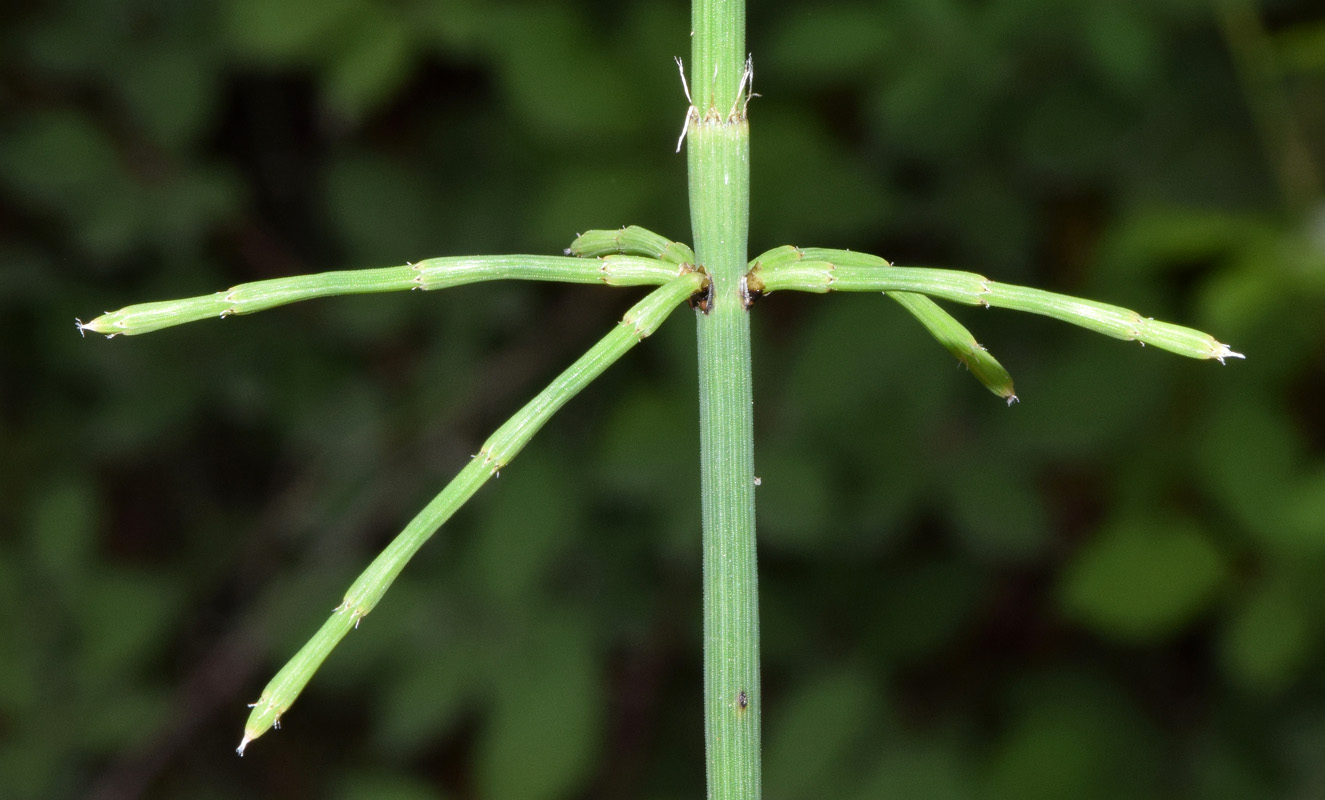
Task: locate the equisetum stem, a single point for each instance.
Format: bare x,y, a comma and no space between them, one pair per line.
718,155
637,323
432,273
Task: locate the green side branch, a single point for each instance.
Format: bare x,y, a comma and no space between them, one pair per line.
956,339
433,273
637,324
631,240
815,269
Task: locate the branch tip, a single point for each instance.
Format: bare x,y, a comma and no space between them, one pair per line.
1224,352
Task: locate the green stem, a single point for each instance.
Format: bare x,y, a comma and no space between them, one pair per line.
956,339
432,273
719,165
818,269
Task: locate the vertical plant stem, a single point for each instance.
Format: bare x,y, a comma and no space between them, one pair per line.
719,166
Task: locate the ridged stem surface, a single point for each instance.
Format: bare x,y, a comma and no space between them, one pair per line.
718,154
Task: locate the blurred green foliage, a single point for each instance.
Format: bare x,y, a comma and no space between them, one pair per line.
1114,589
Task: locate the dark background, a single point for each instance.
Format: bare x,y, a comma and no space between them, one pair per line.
1114,589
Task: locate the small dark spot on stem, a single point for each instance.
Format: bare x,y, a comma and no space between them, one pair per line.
742,700
702,300
752,288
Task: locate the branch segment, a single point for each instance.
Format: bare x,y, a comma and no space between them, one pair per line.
637,324
815,269
956,339
631,240
433,273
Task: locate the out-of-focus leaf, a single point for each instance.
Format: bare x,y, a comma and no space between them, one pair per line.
286,31
1238,300
610,196
524,529
120,617
1091,367
1047,758
813,737
997,511
843,362
381,207
31,769
125,718
1249,454
1302,735
1267,639
1302,47
1143,579
1304,512
1123,42
184,210
1224,771
435,683
384,785
795,501
63,535
541,737
1073,736
64,162
922,607
457,26
21,648
171,90
1155,238
370,65
559,76
1070,132
827,42
920,771
934,106
815,194
644,443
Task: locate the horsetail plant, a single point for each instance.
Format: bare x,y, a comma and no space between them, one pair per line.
721,285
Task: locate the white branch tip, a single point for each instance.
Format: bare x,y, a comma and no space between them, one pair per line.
1225,352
